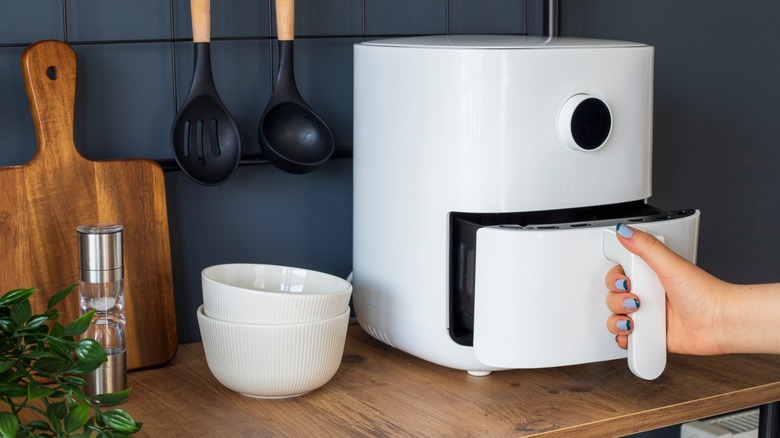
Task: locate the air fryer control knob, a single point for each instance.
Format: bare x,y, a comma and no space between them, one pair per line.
585,122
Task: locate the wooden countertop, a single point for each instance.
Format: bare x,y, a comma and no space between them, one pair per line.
381,391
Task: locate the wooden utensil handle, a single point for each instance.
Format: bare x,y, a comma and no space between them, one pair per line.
285,20
201,20
49,71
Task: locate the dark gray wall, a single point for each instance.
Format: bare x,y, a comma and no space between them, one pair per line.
716,143
135,67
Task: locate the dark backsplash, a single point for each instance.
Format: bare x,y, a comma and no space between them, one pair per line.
135,67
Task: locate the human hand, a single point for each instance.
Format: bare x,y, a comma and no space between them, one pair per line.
693,297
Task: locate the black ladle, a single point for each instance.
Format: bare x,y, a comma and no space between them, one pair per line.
205,140
292,136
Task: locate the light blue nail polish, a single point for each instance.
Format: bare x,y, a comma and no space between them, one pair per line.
621,284
624,230
624,325
630,304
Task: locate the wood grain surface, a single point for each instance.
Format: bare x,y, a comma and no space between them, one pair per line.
380,391
285,20
200,11
43,201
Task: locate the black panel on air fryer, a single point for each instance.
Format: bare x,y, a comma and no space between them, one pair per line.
591,123
463,246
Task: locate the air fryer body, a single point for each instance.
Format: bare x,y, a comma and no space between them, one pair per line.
500,157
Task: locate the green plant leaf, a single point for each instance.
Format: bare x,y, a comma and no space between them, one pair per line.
15,296
75,381
21,312
55,413
7,326
56,329
119,420
39,425
113,398
90,354
38,354
60,348
57,410
52,365
54,421
76,418
59,296
31,348
89,351
36,390
36,322
13,390
53,314
17,376
34,337
8,424
79,325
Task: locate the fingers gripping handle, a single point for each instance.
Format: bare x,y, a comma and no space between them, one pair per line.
647,343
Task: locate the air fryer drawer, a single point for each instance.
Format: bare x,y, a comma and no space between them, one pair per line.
464,228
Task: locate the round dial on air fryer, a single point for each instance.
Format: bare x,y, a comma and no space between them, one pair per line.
585,122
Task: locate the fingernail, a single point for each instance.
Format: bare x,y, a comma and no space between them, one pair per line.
621,285
630,304
624,325
625,231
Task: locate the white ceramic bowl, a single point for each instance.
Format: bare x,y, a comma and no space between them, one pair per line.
270,294
276,360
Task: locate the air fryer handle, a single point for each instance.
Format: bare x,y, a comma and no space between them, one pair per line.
647,343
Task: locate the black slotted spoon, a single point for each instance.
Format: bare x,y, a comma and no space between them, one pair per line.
205,140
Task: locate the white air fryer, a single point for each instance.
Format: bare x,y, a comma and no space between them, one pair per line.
489,175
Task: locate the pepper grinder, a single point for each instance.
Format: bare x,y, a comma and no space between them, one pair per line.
101,287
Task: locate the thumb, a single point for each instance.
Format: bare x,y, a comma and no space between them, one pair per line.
658,256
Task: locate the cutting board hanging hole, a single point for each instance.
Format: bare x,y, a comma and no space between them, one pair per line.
51,73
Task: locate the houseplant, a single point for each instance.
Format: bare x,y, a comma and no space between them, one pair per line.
41,364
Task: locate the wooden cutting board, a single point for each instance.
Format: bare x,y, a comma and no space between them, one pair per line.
42,202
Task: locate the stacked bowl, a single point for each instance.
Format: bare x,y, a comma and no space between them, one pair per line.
273,331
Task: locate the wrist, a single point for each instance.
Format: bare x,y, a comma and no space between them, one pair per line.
748,315
727,323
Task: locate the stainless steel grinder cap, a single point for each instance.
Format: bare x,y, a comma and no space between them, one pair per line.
100,253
